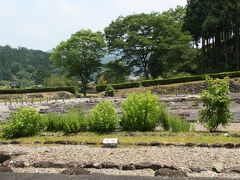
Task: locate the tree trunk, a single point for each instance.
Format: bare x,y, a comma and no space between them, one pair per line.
203,54
225,50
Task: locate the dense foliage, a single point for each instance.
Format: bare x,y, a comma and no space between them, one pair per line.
216,104
152,43
26,67
139,112
80,56
103,118
24,122
216,25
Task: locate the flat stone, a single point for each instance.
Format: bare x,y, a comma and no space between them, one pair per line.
59,164
190,144
92,165
203,145
165,172
4,156
5,169
234,169
141,144
111,165
43,164
129,167
228,145
75,171
19,164
72,164
217,145
156,143
217,167
15,142
144,165
110,143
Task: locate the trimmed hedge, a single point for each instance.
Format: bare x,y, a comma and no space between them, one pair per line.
33,90
147,83
189,78
101,88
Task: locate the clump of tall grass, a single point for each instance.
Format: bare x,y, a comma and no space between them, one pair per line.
178,125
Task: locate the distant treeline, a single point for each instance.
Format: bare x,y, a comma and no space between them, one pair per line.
25,66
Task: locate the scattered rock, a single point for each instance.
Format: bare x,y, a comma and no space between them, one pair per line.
127,144
91,143
5,169
111,165
203,145
190,144
141,144
228,145
217,167
170,144
72,164
19,164
156,143
129,167
61,142
4,156
15,142
143,165
75,171
237,146
43,164
4,142
234,169
92,165
49,142
59,164
37,142
165,172
197,169
217,145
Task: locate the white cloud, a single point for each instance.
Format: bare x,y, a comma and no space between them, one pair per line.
7,8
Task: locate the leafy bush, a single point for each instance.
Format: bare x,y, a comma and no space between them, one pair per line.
163,117
178,125
216,104
139,112
74,122
103,118
109,91
24,122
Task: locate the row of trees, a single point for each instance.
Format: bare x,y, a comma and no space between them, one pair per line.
152,45
216,25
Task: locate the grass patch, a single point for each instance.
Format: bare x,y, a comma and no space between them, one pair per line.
134,138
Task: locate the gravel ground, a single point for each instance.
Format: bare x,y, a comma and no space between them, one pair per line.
182,157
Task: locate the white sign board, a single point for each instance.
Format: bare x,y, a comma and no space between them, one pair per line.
110,143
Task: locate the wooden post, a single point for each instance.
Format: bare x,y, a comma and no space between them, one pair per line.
16,101
10,102
176,93
47,100
56,99
32,100
26,101
40,100
5,102
22,101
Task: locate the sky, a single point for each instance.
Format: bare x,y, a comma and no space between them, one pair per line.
43,24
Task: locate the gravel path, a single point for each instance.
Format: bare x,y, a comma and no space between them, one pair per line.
182,157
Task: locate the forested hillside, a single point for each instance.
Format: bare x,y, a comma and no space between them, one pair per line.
26,67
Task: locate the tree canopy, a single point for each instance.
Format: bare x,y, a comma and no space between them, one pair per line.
80,55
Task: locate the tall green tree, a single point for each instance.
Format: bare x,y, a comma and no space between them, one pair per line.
116,72
80,55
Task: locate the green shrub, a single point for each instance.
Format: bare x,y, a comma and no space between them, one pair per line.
74,122
24,122
53,121
163,117
103,118
178,125
109,91
139,112
216,104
